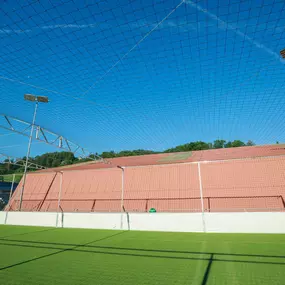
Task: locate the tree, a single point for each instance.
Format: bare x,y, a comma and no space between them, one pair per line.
219,143
228,144
7,164
66,162
198,145
250,143
3,170
55,163
237,143
108,154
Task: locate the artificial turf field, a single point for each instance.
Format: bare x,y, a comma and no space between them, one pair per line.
35,255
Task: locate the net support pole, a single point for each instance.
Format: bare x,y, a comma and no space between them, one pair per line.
123,189
122,194
59,197
201,196
27,156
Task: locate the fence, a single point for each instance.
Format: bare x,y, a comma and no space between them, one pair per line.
256,184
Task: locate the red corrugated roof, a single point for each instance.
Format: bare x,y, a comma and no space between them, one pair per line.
180,157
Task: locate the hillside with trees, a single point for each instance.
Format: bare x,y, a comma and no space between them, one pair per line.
200,145
55,159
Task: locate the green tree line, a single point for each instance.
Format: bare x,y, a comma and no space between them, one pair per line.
55,159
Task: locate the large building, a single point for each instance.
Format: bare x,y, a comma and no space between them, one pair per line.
231,179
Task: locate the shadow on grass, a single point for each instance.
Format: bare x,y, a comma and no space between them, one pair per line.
26,233
209,258
87,248
54,253
207,272
142,249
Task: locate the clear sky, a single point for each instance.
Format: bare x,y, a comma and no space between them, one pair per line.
144,74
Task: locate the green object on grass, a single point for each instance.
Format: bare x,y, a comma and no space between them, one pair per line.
38,256
152,210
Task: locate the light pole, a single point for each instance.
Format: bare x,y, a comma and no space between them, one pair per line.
37,99
201,197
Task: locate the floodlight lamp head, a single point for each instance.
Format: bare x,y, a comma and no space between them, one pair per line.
33,98
42,99
30,97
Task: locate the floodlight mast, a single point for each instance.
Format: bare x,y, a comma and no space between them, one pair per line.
37,99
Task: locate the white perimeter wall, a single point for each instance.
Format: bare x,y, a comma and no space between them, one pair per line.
30,218
92,220
2,218
176,222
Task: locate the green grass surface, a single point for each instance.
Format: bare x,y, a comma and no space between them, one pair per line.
176,156
9,177
34,255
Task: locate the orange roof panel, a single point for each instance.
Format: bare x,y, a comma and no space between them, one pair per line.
229,182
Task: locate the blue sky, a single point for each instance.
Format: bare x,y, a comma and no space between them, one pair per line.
144,74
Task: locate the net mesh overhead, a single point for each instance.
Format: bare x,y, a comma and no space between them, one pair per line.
134,74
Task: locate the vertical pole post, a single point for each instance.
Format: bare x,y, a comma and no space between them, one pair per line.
123,189
28,154
59,196
201,196
122,194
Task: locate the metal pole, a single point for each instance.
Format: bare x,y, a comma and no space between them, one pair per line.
123,189
122,194
201,196
59,196
27,157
